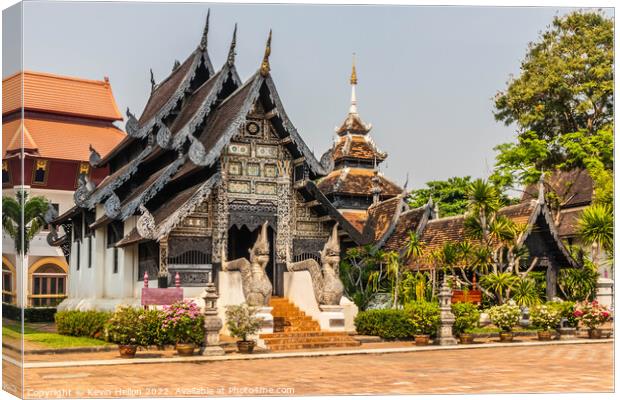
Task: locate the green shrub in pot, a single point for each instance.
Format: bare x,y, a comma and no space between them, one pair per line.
467,317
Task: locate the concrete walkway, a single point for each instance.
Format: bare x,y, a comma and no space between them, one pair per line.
263,356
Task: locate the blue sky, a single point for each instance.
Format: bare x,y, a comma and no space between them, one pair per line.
427,75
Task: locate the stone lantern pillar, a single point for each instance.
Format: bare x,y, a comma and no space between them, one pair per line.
212,322
444,335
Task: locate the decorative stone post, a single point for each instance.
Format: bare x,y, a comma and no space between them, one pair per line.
212,322
444,335
162,276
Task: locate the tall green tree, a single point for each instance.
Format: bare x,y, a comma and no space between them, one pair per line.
450,195
562,104
23,215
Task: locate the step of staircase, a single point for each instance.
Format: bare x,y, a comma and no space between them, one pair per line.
300,331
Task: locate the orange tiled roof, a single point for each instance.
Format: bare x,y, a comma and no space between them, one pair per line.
574,188
452,229
357,218
353,124
62,138
408,221
356,181
15,143
381,216
59,95
357,146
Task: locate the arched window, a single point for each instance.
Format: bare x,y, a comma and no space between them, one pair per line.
49,282
8,291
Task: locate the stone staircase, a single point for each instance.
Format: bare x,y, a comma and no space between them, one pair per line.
294,330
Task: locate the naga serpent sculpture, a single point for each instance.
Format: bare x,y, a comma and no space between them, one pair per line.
256,285
328,287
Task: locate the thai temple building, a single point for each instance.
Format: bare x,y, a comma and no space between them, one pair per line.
213,183
48,123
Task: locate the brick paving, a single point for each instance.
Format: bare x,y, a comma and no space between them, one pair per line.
547,369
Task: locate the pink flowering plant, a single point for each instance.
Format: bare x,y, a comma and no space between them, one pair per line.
591,313
183,322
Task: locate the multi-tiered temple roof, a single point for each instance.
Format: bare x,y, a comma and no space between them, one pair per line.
168,164
355,182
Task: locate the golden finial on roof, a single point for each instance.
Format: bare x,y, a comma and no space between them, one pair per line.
353,72
231,50
265,68
205,32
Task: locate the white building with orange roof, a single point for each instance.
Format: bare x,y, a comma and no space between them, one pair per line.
49,123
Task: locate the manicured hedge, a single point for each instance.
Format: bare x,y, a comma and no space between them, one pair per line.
82,323
42,314
388,324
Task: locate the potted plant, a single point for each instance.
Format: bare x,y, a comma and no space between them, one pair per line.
183,323
467,317
424,318
242,322
505,317
592,314
545,317
122,329
568,322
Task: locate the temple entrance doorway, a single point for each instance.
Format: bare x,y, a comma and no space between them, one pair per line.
241,240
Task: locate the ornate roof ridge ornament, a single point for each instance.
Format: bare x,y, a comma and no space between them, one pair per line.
153,84
132,126
95,158
265,67
205,32
176,65
164,136
353,81
83,191
112,206
146,224
231,51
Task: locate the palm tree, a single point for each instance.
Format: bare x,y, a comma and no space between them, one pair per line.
596,227
484,201
23,218
500,283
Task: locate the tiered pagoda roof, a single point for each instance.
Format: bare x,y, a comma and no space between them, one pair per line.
355,182
168,164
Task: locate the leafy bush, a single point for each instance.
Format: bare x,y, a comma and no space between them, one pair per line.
81,323
388,324
242,321
35,314
525,293
183,322
545,316
424,316
150,328
505,316
567,310
467,317
122,327
591,314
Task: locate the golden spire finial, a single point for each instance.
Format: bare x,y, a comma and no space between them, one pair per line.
264,67
353,72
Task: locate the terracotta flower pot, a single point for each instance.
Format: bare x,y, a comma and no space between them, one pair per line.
567,333
127,350
422,340
185,349
595,333
544,335
466,338
246,346
506,336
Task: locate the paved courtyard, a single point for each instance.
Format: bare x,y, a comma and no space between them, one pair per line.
559,368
